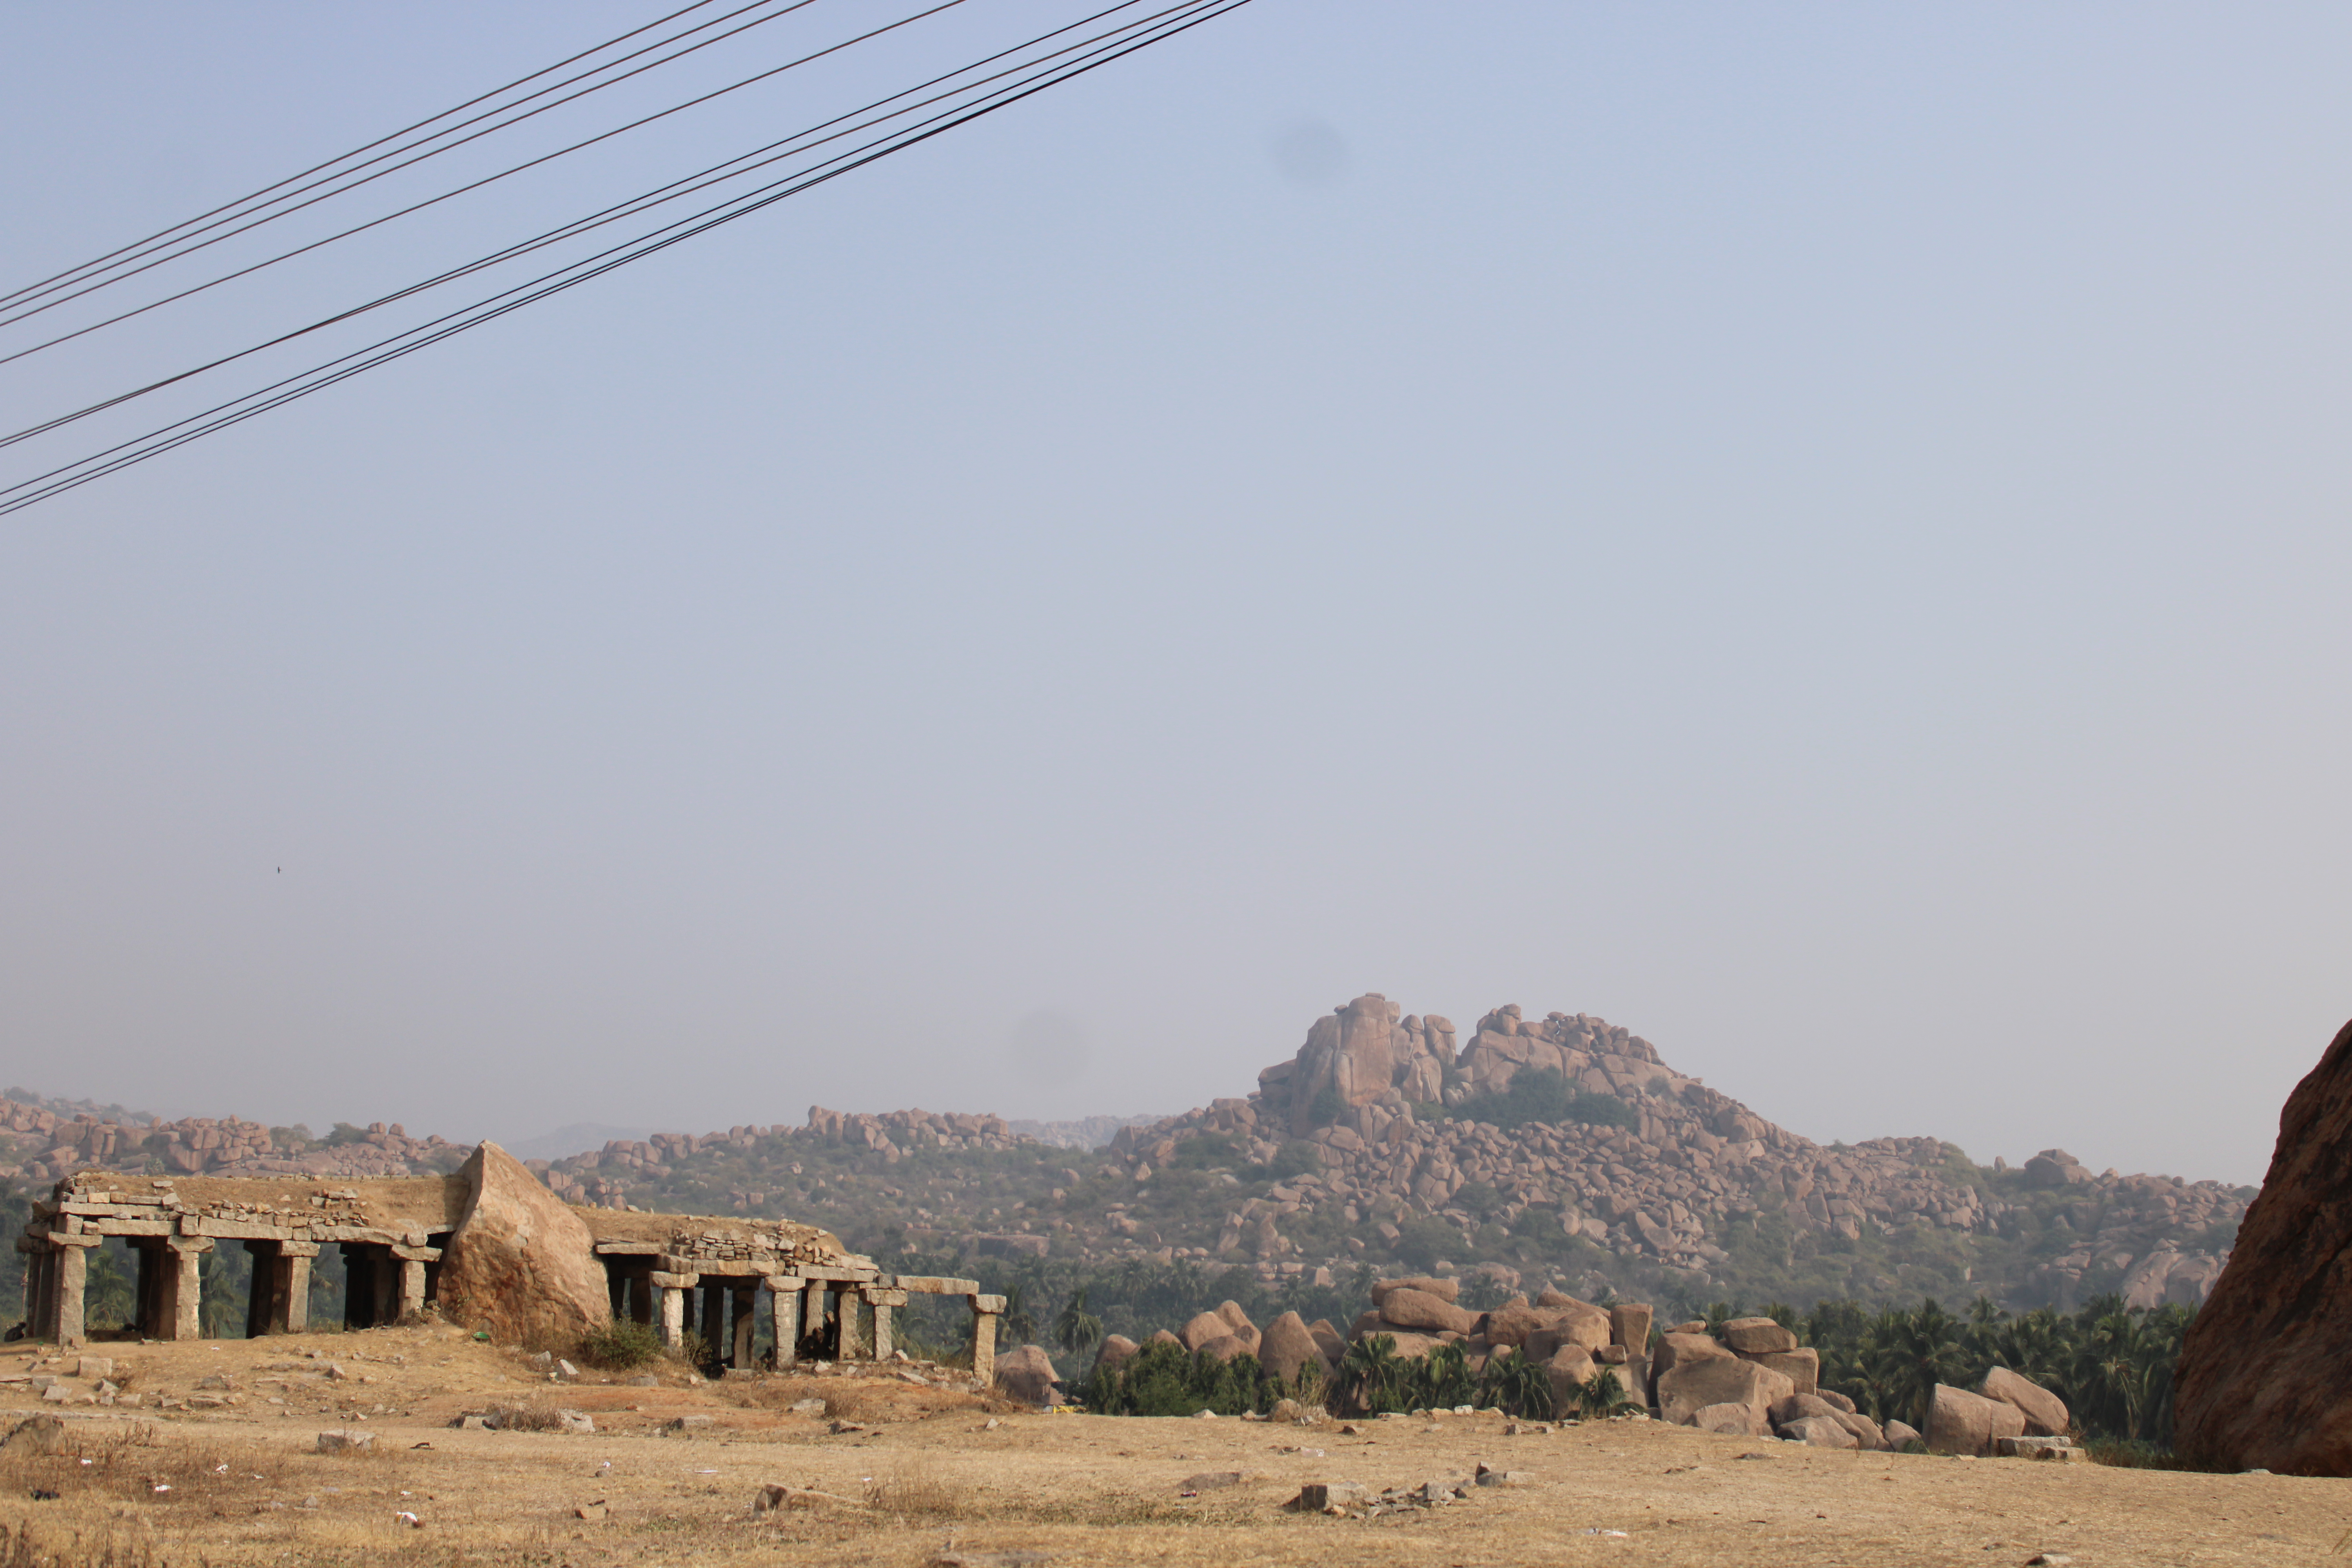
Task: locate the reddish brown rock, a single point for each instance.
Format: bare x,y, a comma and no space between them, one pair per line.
1753,1336
1695,1385
1421,1311
2260,1384
1027,1374
520,1263
1223,1348
1959,1422
1117,1351
1231,1312
1629,1325
1570,1367
1801,1366
1328,1340
1286,1345
2045,1413
1447,1290
1204,1326
1677,1349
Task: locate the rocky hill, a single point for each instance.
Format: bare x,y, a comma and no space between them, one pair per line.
1562,1149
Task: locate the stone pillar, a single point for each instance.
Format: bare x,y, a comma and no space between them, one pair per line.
741,1326
849,1332
886,1305
669,1303
985,1310
784,1295
290,1283
412,1286
182,1317
72,1279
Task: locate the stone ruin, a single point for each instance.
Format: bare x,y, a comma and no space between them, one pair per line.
488,1247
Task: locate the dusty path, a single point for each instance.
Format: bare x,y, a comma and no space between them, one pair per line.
921,1473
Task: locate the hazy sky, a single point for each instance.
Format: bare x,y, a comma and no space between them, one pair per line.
1814,531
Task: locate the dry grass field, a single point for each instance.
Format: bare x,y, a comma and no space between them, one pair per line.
923,1472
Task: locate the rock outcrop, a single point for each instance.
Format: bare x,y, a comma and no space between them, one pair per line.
520,1264
1027,1374
2260,1384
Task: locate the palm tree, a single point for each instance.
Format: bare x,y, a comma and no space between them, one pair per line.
1019,1323
1369,1373
1512,1383
1077,1330
1601,1395
1915,1351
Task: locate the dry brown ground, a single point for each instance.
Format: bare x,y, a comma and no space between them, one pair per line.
927,1475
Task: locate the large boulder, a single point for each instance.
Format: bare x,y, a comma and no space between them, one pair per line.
1801,1366
1204,1326
520,1264
1286,1345
1223,1348
1733,1420
1820,1432
1959,1422
1570,1368
1231,1312
1447,1290
1678,1348
1359,1054
1755,1336
1695,1385
1629,1325
2261,1383
2046,1412
1327,1339
1425,1313
1571,1322
1117,1351
1027,1374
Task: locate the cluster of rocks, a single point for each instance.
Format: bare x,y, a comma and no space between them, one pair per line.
1347,1500
2009,1414
1363,1087
38,1144
894,1133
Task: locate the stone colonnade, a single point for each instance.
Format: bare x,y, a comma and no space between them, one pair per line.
386,1280
842,1313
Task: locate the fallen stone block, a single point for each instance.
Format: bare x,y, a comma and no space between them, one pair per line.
345,1442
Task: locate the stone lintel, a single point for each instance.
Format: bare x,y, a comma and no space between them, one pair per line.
189,1243
670,1281
246,1230
56,1240
133,1226
830,1273
784,1284
884,1298
729,1267
416,1253
112,1210
935,1284
298,1249
368,1234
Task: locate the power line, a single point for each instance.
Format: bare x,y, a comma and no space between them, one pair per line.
345,157
123,270
31,492
661,194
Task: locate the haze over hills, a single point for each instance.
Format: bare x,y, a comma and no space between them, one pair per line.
1561,1149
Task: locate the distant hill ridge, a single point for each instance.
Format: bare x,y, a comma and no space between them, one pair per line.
1560,1148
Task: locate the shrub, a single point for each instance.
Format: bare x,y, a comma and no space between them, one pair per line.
621,1346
